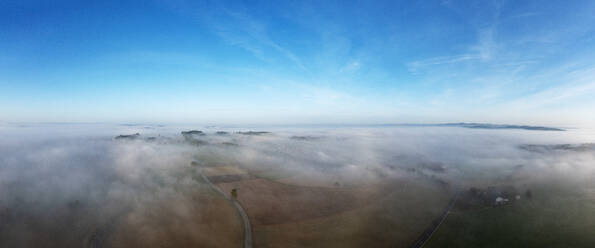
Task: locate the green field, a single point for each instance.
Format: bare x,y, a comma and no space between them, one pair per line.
556,216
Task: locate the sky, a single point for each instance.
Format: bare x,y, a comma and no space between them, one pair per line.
298,62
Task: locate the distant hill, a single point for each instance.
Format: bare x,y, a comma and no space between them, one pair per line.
483,126
501,126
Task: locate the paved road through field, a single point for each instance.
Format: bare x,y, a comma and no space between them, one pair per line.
427,234
239,208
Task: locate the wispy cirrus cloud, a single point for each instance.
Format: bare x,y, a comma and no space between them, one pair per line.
484,50
247,32
576,84
416,65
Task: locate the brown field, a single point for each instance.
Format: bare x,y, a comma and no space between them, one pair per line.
268,202
383,215
202,220
222,170
324,180
194,216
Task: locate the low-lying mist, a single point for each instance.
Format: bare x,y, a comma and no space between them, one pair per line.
78,185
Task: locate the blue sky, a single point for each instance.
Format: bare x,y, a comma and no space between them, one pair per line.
298,62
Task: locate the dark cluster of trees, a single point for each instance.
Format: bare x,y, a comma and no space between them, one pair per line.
193,132
128,136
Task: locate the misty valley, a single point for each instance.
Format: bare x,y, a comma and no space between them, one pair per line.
297,124
77,185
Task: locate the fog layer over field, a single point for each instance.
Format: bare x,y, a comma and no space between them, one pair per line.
76,184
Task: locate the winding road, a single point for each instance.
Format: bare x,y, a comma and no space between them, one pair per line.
239,208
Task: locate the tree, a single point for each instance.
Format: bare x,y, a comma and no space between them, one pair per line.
528,194
234,193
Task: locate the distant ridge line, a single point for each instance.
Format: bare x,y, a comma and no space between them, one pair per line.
481,126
